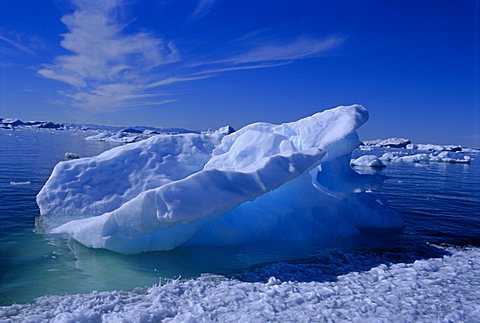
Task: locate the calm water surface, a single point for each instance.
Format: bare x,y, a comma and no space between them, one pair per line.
440,203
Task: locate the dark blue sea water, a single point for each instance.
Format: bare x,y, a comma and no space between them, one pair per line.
440,203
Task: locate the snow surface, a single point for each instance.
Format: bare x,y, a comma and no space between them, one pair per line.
367,161
443,288
264,182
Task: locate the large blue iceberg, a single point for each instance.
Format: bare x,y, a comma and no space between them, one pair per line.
264,182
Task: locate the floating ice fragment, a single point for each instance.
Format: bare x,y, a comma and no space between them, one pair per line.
21,183
367,161
69,156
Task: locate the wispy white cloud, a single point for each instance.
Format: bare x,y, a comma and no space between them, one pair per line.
252,34
271,54
202,8
179,79
217,70
108,68
289,51
17,45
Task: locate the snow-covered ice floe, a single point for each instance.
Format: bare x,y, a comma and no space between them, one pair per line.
264,182
432,147
407,144
389,143
441,157
442,288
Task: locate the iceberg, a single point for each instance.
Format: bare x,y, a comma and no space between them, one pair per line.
264,182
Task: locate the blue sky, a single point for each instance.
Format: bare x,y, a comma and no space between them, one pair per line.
202,64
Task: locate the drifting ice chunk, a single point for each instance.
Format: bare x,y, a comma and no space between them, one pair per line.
447,157
367,161
412,158
263,182
69,156
20,183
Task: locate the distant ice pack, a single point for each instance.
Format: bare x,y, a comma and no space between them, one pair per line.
264,182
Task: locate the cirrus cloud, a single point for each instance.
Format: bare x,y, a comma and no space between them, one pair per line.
107,68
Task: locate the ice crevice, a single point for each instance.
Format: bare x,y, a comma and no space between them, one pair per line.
264,182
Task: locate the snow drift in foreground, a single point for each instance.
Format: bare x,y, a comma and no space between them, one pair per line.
440,289
264,182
